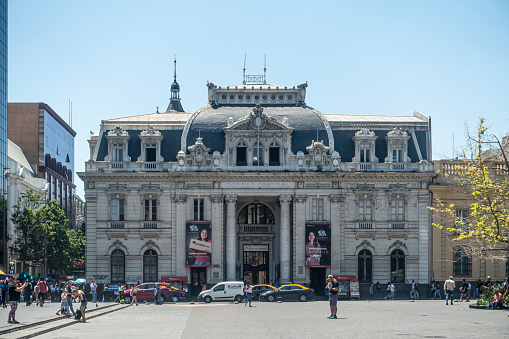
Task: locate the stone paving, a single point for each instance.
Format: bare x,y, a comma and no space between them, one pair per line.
357,319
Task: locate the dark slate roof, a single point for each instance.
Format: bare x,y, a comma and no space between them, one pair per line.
209,121
175,105
169,148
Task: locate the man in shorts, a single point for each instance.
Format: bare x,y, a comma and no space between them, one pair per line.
333,285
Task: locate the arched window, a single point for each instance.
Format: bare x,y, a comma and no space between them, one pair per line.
117,267
274,154
241,154
150,266
398,266
365,266
257,154
256,214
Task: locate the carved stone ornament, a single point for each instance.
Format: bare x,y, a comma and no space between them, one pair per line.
318,151
117,131
198,151
285,199
231,199
216,198
397,132
150,131
301,198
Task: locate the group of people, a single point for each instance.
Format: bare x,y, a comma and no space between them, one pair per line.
32,291
376,290
465,288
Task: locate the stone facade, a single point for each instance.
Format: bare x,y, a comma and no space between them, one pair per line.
259,165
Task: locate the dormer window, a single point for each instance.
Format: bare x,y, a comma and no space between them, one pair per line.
150,145
118,142
365,146
241,154
397,146
274,154
258,154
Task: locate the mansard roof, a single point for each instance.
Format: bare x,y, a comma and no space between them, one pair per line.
165,117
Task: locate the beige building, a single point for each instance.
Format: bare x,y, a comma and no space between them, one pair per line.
448,257
257,185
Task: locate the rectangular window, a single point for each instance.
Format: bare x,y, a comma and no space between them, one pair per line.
462,263
317,205
118,152
258,156
241,156
365,155
461,219
274,156
150,209
398,210
150,152
198,209
365,210
397,155
117,209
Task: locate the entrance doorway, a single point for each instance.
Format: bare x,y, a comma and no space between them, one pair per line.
317,280
198,278
256,268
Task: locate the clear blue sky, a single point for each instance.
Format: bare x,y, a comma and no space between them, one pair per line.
446,59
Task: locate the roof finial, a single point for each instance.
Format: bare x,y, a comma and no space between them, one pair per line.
244,69
264,68
175,69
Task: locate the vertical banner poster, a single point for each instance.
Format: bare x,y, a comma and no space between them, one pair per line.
318,245
199,244
354,289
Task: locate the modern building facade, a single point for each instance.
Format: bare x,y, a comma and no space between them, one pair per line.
3,131
48,142
257,185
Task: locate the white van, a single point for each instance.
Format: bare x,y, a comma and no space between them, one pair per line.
226,290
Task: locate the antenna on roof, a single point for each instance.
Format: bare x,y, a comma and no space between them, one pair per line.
244,69
175,69
264,69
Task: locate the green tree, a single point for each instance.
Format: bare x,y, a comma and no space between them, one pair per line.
54,233
485,184
25,219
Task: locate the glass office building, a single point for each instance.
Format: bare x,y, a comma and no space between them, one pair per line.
3,126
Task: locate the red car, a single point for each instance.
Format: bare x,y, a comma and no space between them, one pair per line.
146,292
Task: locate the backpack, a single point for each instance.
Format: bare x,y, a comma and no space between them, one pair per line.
78,315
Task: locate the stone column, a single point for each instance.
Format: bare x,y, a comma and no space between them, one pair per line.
335,217
231,239
180,227
217,238
284,236
299,226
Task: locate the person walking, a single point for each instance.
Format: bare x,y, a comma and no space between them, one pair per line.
371,291
5,288
14,296
134,293
378,290
393,291
36,293
157,294
412,291
42,291
27,292
333,285
93,289
68,290
64,306
185,289
249,294
464,291
437,291
449,287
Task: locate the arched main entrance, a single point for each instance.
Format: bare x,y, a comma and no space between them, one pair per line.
255,221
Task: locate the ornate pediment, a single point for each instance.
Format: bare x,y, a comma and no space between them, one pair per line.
257,121
198,152
118,132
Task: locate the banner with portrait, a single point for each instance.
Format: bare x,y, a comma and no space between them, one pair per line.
318,245
199,244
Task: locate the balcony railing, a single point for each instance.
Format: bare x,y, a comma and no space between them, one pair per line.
117,224
365,225
397,225
256,229
149,224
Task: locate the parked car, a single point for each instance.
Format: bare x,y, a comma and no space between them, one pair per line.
146,292
261,288
227,290
178,294
289,292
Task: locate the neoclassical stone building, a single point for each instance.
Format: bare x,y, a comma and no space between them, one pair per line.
258,185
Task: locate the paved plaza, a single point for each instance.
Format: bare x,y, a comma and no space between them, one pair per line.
357,319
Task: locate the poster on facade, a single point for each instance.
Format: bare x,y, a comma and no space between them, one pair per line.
354,289
318,245
199,244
